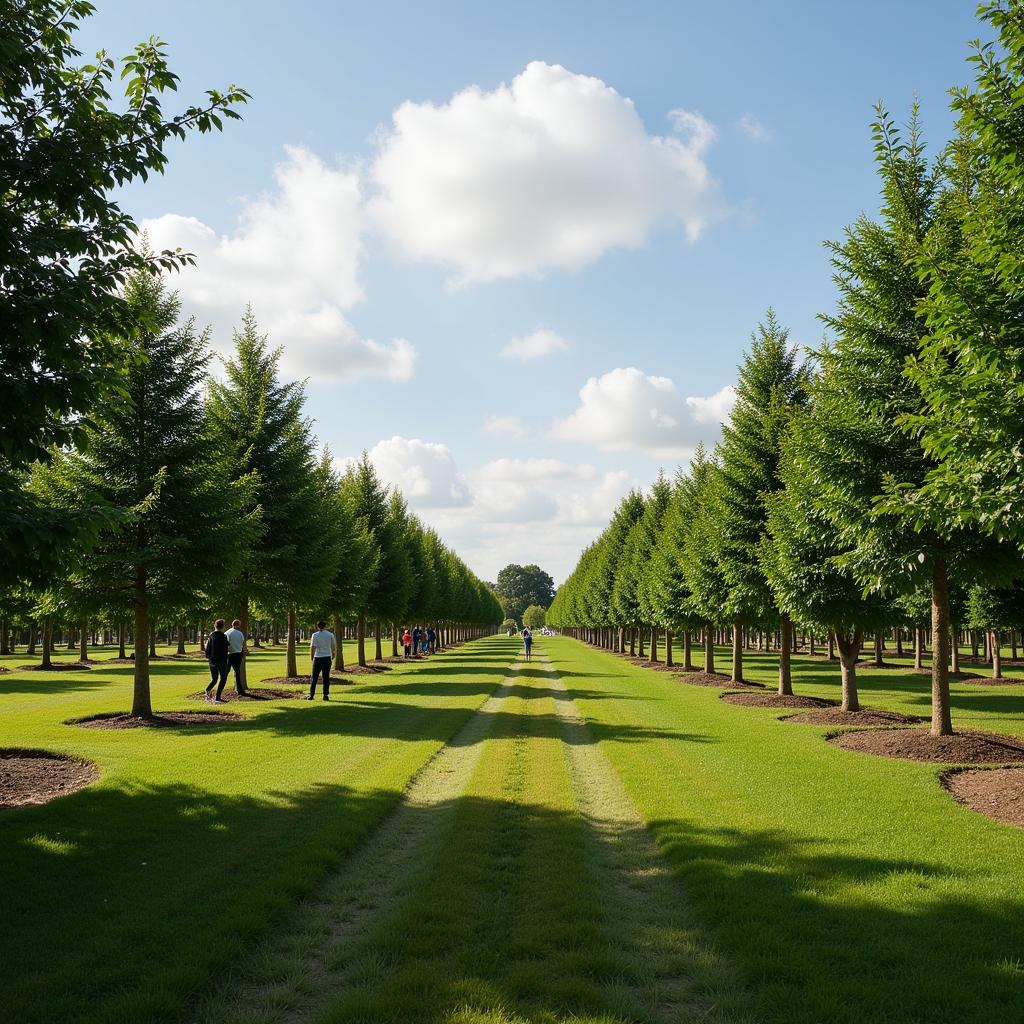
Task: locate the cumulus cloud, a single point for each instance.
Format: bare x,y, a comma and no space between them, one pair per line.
541,343
754,129
550,171
295,254
424,471
510,425
629,410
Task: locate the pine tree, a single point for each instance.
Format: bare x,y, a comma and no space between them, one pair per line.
151,455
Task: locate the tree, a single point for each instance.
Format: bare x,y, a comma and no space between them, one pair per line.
68,247
770,387
641,557
533,617
259,419
523,585
152,453
509,625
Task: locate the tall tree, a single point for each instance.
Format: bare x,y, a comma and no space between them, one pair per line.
67,245
151,452
523,585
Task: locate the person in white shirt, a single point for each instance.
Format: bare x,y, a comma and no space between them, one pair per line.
236,651
322,648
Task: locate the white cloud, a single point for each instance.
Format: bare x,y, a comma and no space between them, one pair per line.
510,425
541,343
295,254
550,171
626,409
754,129
424,471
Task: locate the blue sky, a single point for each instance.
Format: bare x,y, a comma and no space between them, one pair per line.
535,179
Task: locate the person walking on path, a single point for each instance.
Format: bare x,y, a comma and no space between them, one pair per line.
217,648
322,649
236,651
406,642
431,640
415,641
527,643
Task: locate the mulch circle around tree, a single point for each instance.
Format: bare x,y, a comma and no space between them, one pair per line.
717,680
60,666
995,792
885,665
774,700
37,776
256,693
166,719
988,681
866,716
919,745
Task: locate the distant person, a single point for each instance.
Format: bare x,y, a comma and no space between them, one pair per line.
415,641
431,640
217,648
236,644
423,641
527,643
406,642
322,649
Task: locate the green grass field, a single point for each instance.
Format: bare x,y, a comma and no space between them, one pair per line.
581,840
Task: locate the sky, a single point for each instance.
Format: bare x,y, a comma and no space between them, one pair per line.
517,251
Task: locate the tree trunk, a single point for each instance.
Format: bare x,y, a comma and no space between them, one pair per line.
918,660
291,664
709,648
632,642
878,649
831,647
394,641
142,706
687,651
997,654
668,648
181,637
379,656
83,642
849,652
32,638
339,658
954,653
942,721
899,642
737,652
785,670
654,643
5,637
47,661
811,649
152,639
361,638
242,679
122,629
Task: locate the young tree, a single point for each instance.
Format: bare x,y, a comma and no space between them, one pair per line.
533,617
67,246
151,452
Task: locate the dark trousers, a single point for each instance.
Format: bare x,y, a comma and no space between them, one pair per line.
320,665
218,676
235,665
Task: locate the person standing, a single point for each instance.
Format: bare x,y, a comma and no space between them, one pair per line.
431,640
407,642
527,643
415,641
322,649
217,648
236,651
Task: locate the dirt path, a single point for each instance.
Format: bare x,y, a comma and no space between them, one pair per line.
514,882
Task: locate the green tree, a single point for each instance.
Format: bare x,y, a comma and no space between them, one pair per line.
67,244
533,617
523,585
151,452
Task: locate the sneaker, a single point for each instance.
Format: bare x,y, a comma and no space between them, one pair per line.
220,700
326,697
308,696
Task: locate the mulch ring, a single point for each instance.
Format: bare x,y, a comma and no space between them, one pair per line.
256,693
717,680
995,792
37,776
988,681
870,663
866,716
919,745
166,719
774,700
59,666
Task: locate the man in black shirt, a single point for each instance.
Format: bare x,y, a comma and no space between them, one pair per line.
217,648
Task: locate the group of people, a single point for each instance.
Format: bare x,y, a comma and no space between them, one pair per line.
226,648
419,641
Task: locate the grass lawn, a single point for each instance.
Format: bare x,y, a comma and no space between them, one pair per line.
122,899
846,887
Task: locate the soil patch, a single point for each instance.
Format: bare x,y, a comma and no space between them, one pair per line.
166,719
774,700
919,745
717,680
986,681
995,792
871,664
866,716
254,693
36,777
59,666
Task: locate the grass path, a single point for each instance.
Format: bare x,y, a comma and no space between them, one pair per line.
515,882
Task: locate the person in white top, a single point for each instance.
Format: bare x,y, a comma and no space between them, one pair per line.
236,651
322,648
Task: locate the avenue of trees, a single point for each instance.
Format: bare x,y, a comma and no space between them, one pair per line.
874,489
138,491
